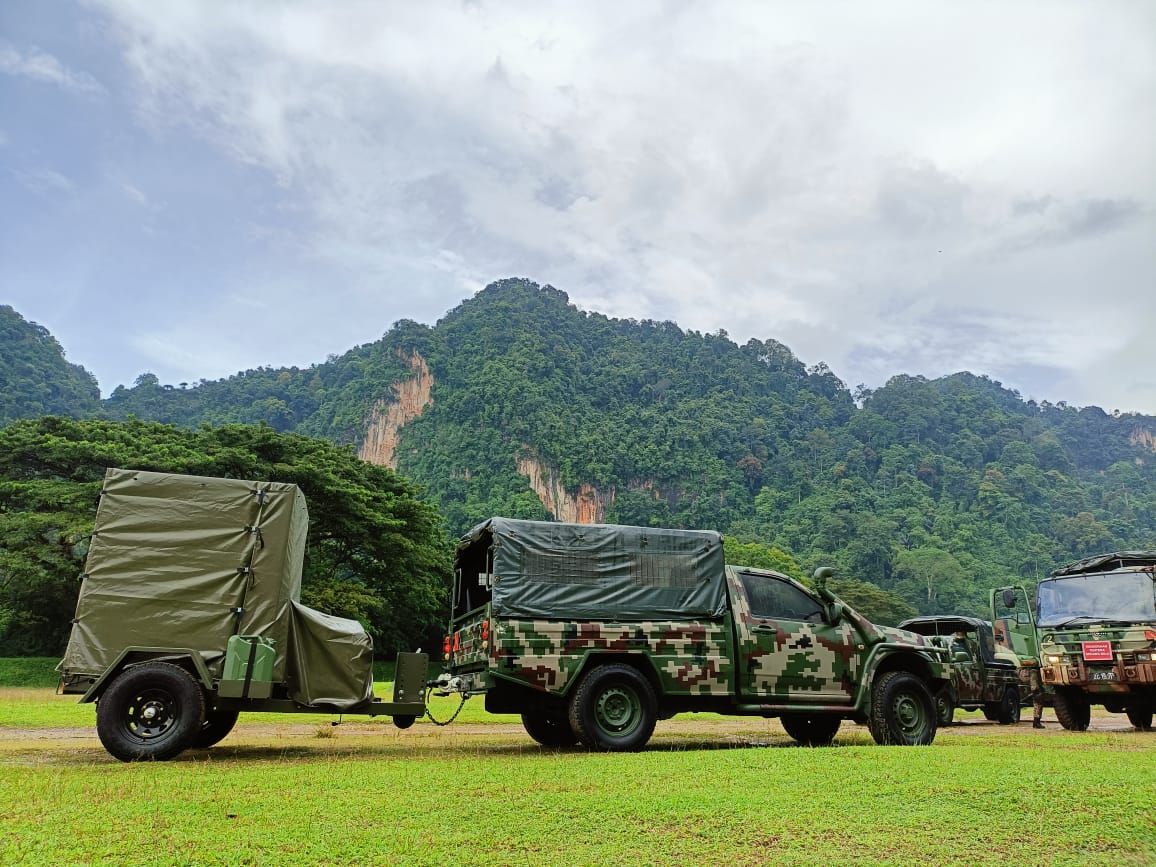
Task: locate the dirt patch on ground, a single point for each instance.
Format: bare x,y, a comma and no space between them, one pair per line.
726,728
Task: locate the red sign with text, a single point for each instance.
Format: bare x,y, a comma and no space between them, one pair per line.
1098,651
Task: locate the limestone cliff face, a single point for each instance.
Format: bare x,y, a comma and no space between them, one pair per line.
588,506
1144,437
388,417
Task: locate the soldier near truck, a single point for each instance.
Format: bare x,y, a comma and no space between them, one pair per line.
594,632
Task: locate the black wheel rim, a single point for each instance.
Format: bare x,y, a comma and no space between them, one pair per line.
151,714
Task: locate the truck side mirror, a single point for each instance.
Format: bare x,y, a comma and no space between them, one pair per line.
1009,598
835,612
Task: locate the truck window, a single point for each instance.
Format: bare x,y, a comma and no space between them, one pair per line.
774,599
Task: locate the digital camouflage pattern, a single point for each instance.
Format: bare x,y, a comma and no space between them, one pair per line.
777,659
977,676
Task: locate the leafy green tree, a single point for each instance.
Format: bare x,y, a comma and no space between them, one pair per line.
375,550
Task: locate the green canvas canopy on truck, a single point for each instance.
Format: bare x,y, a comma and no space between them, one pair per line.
539,570
187,562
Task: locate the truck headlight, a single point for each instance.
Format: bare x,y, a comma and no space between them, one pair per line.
1055,659
1144,657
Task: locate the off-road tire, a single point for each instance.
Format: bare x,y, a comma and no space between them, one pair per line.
991,711
811,729
404,721
902,710
944,707
217,724
1009,708
1072,708
1140,716
550,728
169,693
613,709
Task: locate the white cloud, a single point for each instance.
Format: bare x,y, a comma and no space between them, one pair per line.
39,66
911,184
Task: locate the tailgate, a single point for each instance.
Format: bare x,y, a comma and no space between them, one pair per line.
469,643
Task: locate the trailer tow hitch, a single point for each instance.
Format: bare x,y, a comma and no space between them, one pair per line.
442,687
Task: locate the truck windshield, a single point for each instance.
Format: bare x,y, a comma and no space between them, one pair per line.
1117,596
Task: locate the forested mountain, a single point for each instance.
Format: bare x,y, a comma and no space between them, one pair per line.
35,378
518,403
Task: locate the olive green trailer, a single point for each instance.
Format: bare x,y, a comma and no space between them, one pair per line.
189,614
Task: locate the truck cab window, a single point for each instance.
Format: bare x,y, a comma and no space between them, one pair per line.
775,599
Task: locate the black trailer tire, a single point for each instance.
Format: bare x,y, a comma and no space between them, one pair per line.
811,729
1140,715
902,710
1009,708
1073,709
404,721
550,728
150,711
613,709
944,707
217,725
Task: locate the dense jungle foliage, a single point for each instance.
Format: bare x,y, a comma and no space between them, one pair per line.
922,493
375,552
35,378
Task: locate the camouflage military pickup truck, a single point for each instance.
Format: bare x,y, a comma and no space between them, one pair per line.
594,632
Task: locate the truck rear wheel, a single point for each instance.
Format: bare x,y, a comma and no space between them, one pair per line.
217,725
811,729
150,711
1009,708
1073,709
613,709
902,710
1140,715
550,728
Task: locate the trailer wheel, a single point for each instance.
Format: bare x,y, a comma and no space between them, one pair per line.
1072,708
404,721
1140,715
613,709
1009,708
902,710
550,728
217,725
150,711
811,729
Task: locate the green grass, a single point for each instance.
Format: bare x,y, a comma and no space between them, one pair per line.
29,671
371,794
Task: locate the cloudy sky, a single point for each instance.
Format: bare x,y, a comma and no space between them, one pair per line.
194,188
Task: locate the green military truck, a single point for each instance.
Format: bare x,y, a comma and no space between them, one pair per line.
594,632
189,614
981,675
1093,630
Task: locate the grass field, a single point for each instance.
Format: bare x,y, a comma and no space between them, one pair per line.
708,790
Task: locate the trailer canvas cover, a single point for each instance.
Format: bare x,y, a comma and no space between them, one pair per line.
187,561
602,571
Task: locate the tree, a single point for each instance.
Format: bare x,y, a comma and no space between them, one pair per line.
375,552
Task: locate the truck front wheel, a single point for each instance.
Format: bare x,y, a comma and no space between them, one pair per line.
1009,708
811,729
902,710
613,709
1073,709
150,711
1140,715
550,728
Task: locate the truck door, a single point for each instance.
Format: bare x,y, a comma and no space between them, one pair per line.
1012,620
788,649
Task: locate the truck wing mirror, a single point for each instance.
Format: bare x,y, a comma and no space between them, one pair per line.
835,612
1009,598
